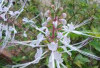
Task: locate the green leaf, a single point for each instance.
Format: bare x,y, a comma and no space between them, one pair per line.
95,44
80,60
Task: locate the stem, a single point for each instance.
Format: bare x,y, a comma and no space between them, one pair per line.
53,32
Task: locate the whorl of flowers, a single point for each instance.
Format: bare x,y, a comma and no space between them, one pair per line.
55,29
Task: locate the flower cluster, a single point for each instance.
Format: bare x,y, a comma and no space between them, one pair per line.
55,29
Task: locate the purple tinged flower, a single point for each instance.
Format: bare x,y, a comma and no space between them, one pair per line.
59,35
66,40
4,16
47,32
26,20
38,54
53,46
5,9
40,37
57,57
71,27
48,19
13,13
51,61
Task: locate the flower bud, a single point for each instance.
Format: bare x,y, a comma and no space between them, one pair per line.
64,15
52,6
63,21
61,8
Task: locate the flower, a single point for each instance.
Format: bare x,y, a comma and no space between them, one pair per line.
66,40
63,21
13,13
53,46
3,16
38,54
55,23
48,31
57,57
59,35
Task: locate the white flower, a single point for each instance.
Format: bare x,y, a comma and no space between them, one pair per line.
4,16
55,23
57,57
59,35
47,32
51,61
48,19
13,13
38,54
26,20
69,28
53,46
5,9
1,9
66,40
40,37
